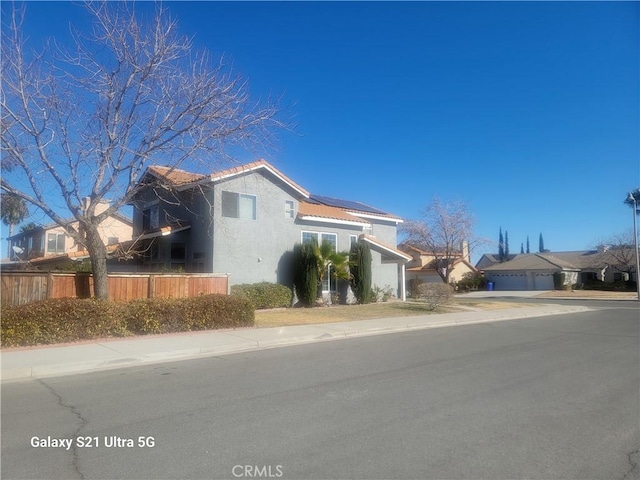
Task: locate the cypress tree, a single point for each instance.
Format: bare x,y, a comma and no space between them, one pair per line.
360,268
501,246
305,274
521,247
528,249
540,244
506,245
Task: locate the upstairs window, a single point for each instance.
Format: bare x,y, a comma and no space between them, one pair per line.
238,205
288,209
151,218
55,242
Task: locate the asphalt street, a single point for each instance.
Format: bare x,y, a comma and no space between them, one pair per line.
548,397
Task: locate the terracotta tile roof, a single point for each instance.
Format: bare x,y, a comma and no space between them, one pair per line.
323,211
178,177
432,265
175,176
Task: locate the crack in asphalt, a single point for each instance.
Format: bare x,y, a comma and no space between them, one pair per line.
633,464
83,422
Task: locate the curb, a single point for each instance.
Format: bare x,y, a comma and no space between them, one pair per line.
323,333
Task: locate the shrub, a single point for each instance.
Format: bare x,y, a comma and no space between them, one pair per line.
435,294
61,320
71,319
360,268
472,281
305,274
167,315
264,295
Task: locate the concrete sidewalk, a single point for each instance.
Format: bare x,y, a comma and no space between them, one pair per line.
39,362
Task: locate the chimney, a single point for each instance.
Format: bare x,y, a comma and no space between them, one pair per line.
100,207
464,248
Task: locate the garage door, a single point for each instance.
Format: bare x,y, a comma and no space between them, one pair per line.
514,281
543,281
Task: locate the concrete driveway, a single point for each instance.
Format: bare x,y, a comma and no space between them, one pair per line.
502,294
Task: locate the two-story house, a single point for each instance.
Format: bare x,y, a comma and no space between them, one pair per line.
245,221
50,244
424,266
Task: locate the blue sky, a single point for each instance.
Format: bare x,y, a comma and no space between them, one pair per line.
528,111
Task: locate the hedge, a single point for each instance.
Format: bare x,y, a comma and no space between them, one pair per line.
69,319
264,295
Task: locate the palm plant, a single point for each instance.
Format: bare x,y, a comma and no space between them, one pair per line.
330,262
13,210
28,227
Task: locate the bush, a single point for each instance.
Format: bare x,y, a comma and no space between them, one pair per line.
61,320
264,295
206,312
71,319
472,281
617,286
435,294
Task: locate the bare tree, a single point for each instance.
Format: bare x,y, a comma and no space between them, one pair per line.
617,252
444,230
84,122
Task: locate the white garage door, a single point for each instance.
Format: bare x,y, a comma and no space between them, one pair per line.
504,281
543,281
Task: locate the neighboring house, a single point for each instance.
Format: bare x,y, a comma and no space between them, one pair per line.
534,271
246,220
489,259
424,266
49,245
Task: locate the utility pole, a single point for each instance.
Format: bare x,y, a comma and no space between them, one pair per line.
633,201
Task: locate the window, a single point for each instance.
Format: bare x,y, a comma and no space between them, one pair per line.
151,218
178,256
328,283
353,239
288,209
320,237
55,242
198,262
238,205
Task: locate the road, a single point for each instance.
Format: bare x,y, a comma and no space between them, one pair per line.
553,397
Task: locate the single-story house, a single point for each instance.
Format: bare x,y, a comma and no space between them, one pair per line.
534,271
245,221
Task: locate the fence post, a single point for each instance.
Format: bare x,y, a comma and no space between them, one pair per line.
151,293
49,285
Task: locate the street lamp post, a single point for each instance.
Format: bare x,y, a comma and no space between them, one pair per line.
633,201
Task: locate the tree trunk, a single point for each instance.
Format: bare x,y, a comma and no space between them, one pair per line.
98,255
9,256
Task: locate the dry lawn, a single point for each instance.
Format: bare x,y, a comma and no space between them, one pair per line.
281,317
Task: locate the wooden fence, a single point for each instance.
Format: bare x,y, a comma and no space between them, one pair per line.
19,288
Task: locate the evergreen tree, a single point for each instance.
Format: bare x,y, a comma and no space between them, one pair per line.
501,246
521,247
528,249
360,268
540,244
305,274
506,245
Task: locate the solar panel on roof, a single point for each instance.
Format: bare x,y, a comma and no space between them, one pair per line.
347,204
